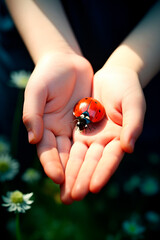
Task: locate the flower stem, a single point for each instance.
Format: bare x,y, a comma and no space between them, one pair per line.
18,233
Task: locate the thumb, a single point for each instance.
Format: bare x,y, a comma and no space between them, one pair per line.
34,126
33,109
133,110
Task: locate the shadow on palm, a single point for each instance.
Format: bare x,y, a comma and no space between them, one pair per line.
102,132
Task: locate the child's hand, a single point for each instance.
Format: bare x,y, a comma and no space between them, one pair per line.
96,154
56,84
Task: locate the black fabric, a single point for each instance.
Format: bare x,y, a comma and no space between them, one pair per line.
101,25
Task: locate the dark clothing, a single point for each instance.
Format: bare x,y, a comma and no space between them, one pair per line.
101,25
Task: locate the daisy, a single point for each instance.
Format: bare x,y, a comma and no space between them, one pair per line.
17,202
132,228
8,167
153,217
149,186
20,78
4,145
31,175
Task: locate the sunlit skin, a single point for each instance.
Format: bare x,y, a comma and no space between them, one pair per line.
83,161
48,112
97,152
106,139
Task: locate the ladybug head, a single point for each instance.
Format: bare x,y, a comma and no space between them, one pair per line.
83,121
81,124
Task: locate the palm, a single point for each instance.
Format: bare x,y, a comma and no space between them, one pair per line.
60,81
94,157
97,152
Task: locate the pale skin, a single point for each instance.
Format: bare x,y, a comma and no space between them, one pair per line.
83,161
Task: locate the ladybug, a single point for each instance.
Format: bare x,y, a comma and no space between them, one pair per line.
88,110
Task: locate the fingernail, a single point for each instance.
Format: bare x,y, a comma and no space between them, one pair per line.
30,136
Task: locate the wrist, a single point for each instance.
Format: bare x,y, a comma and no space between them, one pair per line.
119,76
49,51
43,27
123,56
126,58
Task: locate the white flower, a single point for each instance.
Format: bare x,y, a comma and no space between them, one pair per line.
149,186
4,145
132,228
132,183
20,78
8,167
31,175
153,217
16,201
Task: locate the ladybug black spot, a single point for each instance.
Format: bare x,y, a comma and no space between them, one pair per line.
99,110
86,98
95,102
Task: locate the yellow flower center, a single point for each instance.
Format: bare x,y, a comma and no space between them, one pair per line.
17,197
4,167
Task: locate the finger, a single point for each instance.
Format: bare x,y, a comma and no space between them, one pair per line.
133,118
49,157
34,103
107,165
81,186
77,155
63,146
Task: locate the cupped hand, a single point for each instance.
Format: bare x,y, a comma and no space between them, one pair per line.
56,84
97,152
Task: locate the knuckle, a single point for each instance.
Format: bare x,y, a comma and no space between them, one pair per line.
26,119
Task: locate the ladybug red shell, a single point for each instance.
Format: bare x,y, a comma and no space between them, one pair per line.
88,110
